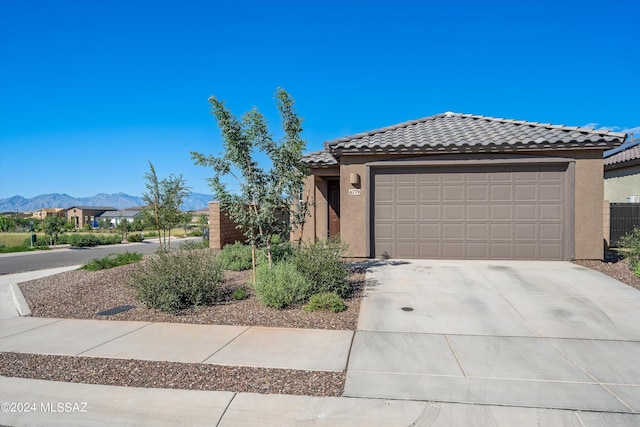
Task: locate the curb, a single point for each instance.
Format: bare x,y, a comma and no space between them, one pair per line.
19,301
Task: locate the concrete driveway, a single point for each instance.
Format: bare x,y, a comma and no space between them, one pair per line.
527,334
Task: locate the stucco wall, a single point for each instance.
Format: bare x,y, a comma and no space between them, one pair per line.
589,194
622,183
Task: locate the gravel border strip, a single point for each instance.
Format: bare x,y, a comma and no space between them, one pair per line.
172,375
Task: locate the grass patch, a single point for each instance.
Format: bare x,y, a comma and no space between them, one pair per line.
113,260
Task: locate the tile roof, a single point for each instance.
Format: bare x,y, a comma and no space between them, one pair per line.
468,132
630,154
320,158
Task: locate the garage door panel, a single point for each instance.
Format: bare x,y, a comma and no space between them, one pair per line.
477,251
406,250
406,231
501,231
453,212
477,231
550,251
429,232
525,250
410,178
406,193
406,212
429,194
550,232
501,193
551,212
526,212
551,192
477,193
452,231
453,177
453,250
501,213
526,192
452,193
526,231
429,212
430,250
477,212
501,250
384,212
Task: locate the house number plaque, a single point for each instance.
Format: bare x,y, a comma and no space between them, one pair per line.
354,191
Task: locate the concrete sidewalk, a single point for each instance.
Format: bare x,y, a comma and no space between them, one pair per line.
306,349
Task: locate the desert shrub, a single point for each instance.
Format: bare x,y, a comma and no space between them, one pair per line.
192,245
240,294
280,286
236,257
322,265
113,260
135,238
328,301
178,280
83,240
195,233
630,242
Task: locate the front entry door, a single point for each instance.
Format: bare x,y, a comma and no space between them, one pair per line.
334,208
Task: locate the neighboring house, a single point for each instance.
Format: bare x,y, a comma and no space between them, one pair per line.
622,174
461,186
116,217
45,212
83,215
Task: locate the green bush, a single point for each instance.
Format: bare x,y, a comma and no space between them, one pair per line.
113,260
322,265
83,240
178,280
236,257
135,238
637,270
240,294
280,286
329,301
631,243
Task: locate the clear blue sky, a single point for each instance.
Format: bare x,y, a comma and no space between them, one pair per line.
91,90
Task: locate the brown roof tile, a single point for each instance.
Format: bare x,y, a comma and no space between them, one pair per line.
462,132
624,156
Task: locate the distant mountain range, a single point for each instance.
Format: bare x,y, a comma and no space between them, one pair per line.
194,202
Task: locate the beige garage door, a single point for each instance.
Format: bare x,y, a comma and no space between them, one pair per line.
498,212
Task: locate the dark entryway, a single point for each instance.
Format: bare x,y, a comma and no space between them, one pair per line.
334,208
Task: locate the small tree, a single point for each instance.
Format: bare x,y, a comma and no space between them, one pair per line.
265,196
162,204
124,226
53,226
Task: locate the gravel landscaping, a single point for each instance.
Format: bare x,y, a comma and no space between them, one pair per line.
613,266
81,294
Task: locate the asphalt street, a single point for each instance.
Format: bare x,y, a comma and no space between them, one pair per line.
63,257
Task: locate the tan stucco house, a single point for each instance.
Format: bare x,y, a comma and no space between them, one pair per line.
462,186
86,215
622,175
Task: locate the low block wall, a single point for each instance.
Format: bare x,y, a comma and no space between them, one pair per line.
222,231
